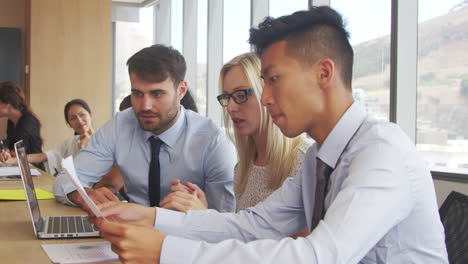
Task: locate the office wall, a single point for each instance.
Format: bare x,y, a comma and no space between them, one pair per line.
70,57
12,14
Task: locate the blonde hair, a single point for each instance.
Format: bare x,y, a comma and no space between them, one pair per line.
280,149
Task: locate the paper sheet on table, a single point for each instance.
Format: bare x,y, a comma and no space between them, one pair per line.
9,171
16,195
80,252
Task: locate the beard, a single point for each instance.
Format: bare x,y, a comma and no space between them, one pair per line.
161,122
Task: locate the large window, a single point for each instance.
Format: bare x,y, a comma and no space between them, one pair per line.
177,14
130,37
236,28
369,28
440,113
442,92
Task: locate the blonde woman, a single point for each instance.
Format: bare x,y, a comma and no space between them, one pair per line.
265,156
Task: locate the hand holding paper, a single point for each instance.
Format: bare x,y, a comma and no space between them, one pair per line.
129,213
133,243
69,168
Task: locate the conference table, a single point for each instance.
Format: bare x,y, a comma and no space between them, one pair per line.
18,243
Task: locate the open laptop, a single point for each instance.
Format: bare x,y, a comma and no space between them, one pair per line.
49,226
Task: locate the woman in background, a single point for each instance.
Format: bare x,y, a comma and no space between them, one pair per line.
79,117
265,156
23,124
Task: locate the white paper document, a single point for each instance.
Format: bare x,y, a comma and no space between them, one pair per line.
69,167
15,171
80,252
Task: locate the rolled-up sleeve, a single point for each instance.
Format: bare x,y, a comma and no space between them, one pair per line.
61,188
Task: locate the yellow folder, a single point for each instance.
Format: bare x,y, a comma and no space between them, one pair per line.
19,195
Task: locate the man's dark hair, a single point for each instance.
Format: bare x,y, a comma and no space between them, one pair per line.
157,63
310,35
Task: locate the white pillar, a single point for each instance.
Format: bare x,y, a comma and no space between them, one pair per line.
215,58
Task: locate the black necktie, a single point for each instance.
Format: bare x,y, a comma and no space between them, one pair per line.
323,172
154,186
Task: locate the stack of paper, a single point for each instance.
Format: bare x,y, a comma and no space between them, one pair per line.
80,252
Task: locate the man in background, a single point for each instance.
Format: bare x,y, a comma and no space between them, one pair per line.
155,141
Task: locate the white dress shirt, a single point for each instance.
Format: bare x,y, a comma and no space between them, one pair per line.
381,208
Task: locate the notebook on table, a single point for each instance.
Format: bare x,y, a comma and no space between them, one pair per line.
49,226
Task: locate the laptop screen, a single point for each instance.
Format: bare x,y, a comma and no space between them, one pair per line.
28,185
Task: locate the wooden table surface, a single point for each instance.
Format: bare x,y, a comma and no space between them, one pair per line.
18,243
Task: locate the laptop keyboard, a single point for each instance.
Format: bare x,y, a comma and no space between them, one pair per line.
69,224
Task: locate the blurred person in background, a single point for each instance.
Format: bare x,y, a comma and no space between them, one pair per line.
78,117
23,124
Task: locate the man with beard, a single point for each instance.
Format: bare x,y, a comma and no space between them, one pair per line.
156,141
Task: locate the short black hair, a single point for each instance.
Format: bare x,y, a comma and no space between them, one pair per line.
310,35
73,102
157,63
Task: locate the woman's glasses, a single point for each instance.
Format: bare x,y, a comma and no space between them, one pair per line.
239,96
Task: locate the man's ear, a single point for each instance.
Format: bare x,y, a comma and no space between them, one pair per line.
182,89
326,72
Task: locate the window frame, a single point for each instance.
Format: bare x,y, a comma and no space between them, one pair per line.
403,58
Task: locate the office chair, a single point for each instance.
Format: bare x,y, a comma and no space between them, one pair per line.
454,216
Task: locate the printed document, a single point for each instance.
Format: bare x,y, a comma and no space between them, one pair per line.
80,252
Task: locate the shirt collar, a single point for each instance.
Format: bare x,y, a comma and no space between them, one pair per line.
170,136
335,143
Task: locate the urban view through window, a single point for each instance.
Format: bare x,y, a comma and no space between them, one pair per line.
442,95
442,81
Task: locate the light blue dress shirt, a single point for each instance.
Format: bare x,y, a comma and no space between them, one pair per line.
194,150
381,208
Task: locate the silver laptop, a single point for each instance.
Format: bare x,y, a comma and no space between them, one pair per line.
49,226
